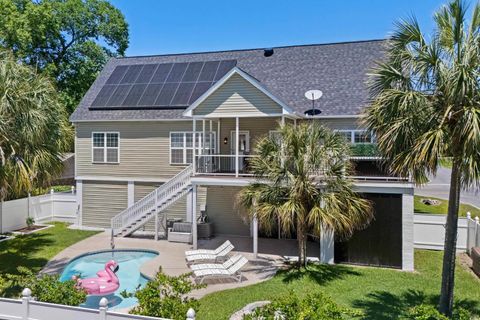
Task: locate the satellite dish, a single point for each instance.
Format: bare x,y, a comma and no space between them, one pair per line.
313,94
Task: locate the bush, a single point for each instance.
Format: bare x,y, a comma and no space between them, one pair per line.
316,306
429,312
45,288
165,297
30,222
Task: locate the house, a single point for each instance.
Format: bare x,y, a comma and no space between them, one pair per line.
173,134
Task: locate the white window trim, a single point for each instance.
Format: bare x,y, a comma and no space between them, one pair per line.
198,145
352,135
105,148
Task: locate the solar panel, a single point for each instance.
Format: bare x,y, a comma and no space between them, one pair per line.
117,75
134,95
164,85
131,74
147,73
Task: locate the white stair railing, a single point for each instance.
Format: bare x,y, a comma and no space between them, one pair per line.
153,201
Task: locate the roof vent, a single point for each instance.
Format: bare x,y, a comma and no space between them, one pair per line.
268,52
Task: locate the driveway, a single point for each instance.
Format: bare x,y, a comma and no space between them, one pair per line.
439,187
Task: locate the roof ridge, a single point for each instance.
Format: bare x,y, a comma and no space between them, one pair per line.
251,49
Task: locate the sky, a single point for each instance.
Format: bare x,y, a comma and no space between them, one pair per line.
176,26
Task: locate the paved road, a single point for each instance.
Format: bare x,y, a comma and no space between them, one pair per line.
439,187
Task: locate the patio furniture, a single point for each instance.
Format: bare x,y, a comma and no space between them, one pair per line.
180,232
209,251
475,254
227,264
231,272
216,256
205,230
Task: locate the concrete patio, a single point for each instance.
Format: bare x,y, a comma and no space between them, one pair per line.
172,257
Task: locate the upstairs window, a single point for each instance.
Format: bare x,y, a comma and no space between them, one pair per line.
105,147
181,146
356,136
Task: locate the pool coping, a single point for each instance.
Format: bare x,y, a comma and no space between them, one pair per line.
115,250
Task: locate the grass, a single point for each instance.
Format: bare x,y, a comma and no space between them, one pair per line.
36,249
379,293
420,207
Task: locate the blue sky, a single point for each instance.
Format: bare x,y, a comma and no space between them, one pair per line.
175,26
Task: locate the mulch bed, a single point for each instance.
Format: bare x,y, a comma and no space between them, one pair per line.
30,229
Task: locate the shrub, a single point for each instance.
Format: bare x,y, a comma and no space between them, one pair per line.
429,312
316,306
165,297
45,288
30,222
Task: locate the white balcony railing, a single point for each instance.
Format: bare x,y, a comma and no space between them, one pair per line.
223,164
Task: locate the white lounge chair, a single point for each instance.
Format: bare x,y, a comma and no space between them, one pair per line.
231,272
209,251
218,255
227,264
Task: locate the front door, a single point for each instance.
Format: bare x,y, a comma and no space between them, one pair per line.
244,138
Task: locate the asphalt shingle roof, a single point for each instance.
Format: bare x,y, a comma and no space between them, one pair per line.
338,69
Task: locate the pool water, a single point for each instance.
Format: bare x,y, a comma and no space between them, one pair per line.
129,262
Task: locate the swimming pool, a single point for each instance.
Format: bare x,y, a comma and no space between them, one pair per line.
129,273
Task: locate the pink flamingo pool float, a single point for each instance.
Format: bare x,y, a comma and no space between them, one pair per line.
106,282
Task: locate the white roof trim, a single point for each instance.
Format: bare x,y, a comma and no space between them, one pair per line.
188,112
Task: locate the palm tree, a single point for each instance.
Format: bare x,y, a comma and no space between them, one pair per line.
426,105
33,129
302,184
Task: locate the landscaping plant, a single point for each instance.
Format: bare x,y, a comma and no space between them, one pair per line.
425,106
316,306
302,183
165,297
30,222
429,312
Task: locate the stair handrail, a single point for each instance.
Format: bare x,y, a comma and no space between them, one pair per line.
151,200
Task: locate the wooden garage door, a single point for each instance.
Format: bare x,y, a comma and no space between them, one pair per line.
380,244
223,213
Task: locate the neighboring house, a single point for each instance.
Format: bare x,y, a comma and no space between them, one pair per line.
134,133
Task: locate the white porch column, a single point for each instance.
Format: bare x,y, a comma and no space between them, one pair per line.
295,122
327,246
204,138
79,187
130,193
194,217
237,136
407,232
283,120
189,212
194,160
211,143
218,137
156,214
255,236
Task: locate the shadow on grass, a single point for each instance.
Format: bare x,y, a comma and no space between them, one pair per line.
20,252
319,273
386,305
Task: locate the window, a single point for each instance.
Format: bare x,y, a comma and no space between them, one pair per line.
275,135
356,136
105,147
181,146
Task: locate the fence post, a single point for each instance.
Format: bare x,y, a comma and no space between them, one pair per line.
476,242
191,314
29,204
103,308
469,217
52,203
26,297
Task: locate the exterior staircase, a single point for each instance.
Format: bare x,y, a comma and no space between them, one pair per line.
142,211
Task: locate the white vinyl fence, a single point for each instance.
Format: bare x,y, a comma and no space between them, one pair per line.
429,231
28,309
473,232
60,206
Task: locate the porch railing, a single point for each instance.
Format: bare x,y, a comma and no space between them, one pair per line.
223,164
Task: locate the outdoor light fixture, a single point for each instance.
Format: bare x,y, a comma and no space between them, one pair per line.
225,140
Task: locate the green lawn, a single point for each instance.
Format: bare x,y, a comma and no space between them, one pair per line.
379,293
420,207
34,250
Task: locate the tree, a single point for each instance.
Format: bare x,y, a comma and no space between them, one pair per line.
302,182
69,40
426,105
34,131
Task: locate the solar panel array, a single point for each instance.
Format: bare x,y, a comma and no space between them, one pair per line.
166,85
